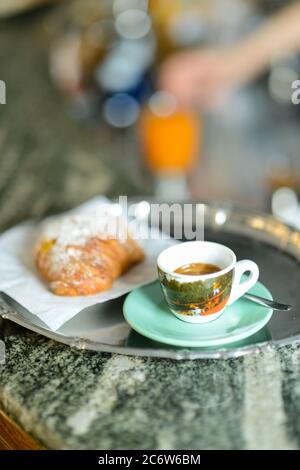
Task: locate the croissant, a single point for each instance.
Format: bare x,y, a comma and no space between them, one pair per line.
76,258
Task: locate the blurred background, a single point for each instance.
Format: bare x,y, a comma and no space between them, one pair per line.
85,115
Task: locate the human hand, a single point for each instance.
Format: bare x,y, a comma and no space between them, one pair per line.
204,78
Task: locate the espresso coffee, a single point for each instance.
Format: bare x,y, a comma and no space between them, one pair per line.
200,279
197,269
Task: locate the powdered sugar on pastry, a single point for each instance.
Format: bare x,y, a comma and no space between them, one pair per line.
76,230
81,255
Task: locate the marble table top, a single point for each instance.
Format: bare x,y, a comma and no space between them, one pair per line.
70,399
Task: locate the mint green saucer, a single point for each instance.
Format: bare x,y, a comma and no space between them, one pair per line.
147,313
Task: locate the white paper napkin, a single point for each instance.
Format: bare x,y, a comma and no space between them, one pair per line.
20,280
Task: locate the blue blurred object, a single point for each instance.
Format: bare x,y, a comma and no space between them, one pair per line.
121,110
125,80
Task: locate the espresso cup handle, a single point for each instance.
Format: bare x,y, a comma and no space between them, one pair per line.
239,286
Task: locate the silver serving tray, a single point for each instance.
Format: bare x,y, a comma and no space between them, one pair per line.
272,244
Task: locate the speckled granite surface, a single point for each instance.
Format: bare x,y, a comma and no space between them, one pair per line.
49,162
85,400
72,399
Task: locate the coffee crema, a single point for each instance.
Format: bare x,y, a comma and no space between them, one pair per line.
197,269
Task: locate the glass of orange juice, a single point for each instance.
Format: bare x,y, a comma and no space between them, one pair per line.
170,138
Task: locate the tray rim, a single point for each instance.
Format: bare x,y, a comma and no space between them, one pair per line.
180,354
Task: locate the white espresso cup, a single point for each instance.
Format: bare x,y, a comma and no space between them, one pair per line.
203,297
